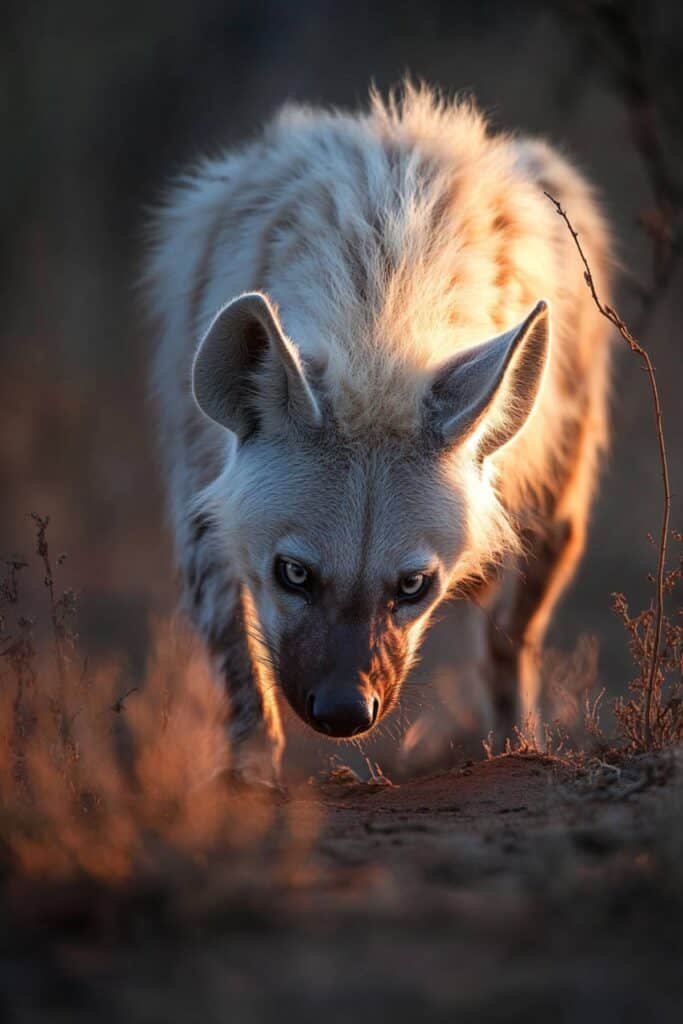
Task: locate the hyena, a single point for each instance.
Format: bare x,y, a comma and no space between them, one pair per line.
364,409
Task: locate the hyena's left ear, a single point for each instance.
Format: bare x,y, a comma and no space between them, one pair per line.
461,398
247,375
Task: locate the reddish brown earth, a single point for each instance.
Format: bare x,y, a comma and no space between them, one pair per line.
514,889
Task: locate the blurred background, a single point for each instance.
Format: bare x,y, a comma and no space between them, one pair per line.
102,104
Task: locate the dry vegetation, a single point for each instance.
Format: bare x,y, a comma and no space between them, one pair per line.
653,716
103,776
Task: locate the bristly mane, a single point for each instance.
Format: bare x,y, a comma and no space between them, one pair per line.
388,242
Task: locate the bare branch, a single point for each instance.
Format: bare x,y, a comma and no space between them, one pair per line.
611,314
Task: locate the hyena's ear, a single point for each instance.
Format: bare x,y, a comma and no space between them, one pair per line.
462,396
247,375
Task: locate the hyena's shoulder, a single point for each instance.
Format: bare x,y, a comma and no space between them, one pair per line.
387,240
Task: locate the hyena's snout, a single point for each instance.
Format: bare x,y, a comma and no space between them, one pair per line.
342,711
339,679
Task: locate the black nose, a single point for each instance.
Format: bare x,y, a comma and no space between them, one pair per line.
339,716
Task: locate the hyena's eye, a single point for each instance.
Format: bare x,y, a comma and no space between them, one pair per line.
292,575
413,586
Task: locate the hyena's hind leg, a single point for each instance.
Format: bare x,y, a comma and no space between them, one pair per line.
532,588
519,620
221,612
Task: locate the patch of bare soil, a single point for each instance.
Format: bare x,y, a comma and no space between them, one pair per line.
517,888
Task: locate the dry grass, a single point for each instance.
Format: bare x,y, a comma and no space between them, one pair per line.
106,776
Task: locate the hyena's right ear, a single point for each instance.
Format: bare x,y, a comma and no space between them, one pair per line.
247,375
491,390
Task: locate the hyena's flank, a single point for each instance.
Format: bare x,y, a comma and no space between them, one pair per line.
365,408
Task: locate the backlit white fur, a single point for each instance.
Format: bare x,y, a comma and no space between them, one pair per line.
387,242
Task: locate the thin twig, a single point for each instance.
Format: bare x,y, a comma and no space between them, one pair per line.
43,552
610,314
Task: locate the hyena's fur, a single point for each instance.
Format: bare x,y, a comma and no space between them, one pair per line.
388,241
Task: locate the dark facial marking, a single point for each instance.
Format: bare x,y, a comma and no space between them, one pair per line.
359,656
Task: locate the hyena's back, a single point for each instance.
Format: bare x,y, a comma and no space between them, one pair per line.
388,241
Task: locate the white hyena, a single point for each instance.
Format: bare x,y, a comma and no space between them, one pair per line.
362,408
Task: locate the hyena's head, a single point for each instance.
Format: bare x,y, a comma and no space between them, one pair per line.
346,546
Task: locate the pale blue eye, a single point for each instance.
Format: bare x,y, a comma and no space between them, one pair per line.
295,573
413,586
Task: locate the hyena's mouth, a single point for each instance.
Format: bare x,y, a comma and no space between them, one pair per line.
341,716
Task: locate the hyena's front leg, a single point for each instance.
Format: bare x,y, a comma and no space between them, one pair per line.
217,603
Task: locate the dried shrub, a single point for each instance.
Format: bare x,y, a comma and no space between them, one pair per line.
652,717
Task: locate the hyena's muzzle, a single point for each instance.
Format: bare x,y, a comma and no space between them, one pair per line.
342,678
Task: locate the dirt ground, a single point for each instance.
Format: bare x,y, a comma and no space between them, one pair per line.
511,889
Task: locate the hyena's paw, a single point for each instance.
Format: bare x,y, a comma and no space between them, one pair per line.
272,792
256,766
